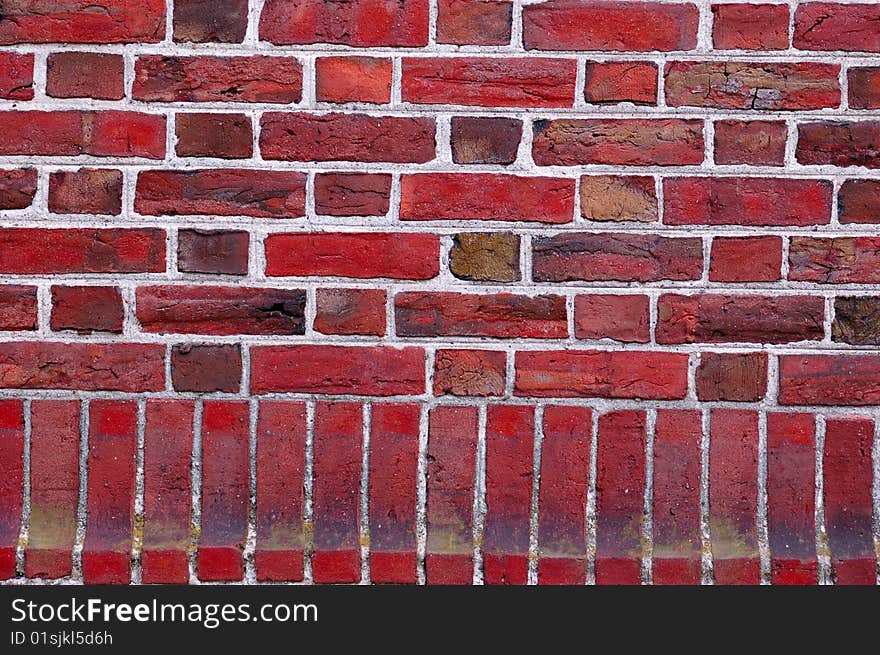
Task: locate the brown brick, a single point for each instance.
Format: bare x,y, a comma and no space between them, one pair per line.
485,256
206,368
617,198
856,320
86,191
350,311
210,21
474,22
469,372
220,253
477,140
85,75
229,136
737,377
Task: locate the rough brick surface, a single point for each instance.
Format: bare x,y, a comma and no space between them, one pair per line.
85,75
11,487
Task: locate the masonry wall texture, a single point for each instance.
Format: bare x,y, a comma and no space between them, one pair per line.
440,291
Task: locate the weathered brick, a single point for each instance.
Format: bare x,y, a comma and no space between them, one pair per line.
601,374
17,187
837,26
11,483
18,307
474,22
87,309
864,87
562,498
338,441
501,315
856,320
210,21
485,140
836,260
350,311
352,194
606,316
170,309
485,256
213,252
750,27
746,259
346,137
618,198
839,143
206,368
829,379
618,141
733,496
16,76
203,78
736,377
394,453
858,201
353,79
759,143
229,136
620,81
469,372
222,192
624,257
367,371
86,191
620,497
85,75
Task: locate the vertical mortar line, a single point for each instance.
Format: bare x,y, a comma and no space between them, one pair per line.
394,198
422,495
708,142
479,506
772,380
510,374
525,258
310,311
706,243
364,499
250,571
44,309
310,195
823,552
82,504
443,145
137,540
828,318
661,83
196,483
129,306
169,21
704,28
432,22
390,323
171,243
658,190
580,82
24,526
251,36
40,82
128,70
578,212
790,160
835,202
534,544
245,369
647,536
170,135
786,249
308,489
761,517
169,378
41,197
524,159
309,82
396,82
706,569
516,28
844,86
592,524
570,315
694,360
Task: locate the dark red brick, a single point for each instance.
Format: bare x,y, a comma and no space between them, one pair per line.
352,194
11,483
213,252
229,136
16,76
86,191
350,311
485,140
87,309
839,143
829,379
736,377
858,201
206,368
758,143
85,75
17,187
864,87
18,307
210,21
746,259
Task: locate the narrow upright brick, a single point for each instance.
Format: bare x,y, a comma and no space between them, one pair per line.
85,75
394,452
620,497
791,522
167,530
733,496
338,443
848,511
11,483
474,22
676,513
562,500
225,472
106,554
281,461
210,21
452,451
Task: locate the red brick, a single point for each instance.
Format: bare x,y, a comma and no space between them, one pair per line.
750,27
624,257
367,255
38,251
83,21
620,497
350,311
837,260
452,449
759,143
86,191
600,25
746,201
721,318
676,513
829,379
489,81
837,26
221,192
55,436
469,372
791,527
485,140
210,21
601,374
171,309
257,78
562,503
746,259
510,433
17,187
225,496
281,461
336,492
131,367
366,371
839,143
168,444
18,307
229,136
346,137
606,316
357,23
858,201
733,496
353,79
474,22
620,81
87,309
85,75
11,483
486,196
71,133
502,315
16,76
352,194
848,513
394,453
206,368
213,252
106,554
618,142
735,377
864,87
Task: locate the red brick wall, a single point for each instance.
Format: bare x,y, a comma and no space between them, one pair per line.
440,291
